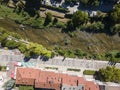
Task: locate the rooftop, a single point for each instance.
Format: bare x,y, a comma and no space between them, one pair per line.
47,79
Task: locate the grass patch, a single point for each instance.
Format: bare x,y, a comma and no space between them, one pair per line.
26,88
54,68
72,69
89,72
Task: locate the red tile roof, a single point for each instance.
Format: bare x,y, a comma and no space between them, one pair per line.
46,79
27,76
113,87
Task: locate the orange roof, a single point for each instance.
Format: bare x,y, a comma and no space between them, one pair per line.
89,85
113,87
46,79
27,76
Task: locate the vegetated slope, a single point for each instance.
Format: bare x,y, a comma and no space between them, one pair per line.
53,37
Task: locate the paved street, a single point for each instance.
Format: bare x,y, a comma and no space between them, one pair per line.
77,63
8,57
3,79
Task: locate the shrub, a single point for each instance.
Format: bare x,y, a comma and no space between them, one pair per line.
54,68
96,26
72,69
2,68
60,25
89,72
79,18
79,53
55,21
48,19
109,74
22,48
115,29
12,44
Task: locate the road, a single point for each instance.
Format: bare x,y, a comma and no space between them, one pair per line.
8,57
75,62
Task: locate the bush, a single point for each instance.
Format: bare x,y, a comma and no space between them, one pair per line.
48,19
79,18
96,26
89,72
60,25
22,48
115,29
55,21
12,44
36,23
72,69
2,68
79,53
109,74
54,68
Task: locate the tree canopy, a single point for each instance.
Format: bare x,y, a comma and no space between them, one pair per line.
79,18
109,74
8,39
114,15
32,6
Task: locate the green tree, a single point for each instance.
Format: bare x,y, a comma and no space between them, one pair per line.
19,6
67,1
32,6
109,74
48,19
84,2
117,55
12,44
90,2
114,15
55,21
22,48
79,18
115,29
96,26
70,26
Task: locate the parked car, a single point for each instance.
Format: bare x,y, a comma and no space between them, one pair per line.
17,64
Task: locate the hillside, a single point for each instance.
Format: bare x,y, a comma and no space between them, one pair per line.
53,37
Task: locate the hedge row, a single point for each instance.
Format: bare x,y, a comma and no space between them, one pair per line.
56,8
72,69
89,72
54,68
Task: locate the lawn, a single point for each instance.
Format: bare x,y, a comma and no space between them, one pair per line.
26,88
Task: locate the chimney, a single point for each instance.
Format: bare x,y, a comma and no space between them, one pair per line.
77,82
